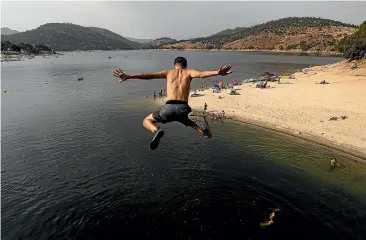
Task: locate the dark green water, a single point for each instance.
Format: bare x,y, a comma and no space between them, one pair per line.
76,164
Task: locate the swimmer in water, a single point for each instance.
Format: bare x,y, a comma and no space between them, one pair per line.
272,218
176,108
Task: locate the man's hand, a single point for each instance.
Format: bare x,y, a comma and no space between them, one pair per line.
123,76
225,70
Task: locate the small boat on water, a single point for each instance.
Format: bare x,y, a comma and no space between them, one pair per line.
80,79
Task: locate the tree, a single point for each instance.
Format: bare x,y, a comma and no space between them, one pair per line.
21,45
15,48
43,48
6,45
354,46
28,47
361,33
35,51
304,46
289,47
209,46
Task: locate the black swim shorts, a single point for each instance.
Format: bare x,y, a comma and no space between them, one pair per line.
174,111
179,111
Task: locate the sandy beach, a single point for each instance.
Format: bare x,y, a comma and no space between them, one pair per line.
276,51
303,107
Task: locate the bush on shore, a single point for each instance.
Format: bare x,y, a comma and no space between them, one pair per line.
353,47
37,49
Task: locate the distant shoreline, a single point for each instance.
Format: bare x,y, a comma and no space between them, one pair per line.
295,52
15,57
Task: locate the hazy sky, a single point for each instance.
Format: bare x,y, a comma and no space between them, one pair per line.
173,19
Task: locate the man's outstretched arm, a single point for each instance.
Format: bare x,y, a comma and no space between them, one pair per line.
225,70
145,76
203,74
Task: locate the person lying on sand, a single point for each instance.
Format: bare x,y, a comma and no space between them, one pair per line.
176,109
323,82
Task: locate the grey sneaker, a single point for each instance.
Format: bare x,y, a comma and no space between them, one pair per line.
200,122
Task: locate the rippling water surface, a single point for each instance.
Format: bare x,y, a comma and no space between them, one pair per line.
76,164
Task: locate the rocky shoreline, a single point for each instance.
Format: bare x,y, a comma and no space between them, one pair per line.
294,52
11,56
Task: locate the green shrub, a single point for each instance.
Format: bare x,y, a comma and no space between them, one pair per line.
293,46
354,46
304,46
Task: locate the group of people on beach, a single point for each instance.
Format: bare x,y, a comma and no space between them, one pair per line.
214,115
204,85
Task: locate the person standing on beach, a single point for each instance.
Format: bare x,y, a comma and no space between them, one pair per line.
176,109
204,108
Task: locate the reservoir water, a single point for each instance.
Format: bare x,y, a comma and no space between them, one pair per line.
75,162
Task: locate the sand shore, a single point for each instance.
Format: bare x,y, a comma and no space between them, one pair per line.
277,51
303,107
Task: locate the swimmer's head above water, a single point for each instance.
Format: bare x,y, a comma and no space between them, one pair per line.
180,63
275,215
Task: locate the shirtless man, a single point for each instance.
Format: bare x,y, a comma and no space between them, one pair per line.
176,109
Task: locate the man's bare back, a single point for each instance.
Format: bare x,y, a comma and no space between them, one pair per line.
176,108
178,84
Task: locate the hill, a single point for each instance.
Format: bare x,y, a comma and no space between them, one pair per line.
116,37
71,37
143,41
160,42
8,31
293,33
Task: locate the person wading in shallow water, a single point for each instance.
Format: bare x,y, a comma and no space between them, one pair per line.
176,109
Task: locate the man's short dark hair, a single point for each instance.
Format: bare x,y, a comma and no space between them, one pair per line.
276,214
182,61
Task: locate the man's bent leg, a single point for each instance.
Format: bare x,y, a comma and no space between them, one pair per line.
206,133
150,123
200,124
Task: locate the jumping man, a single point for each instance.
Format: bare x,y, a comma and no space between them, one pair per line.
176,109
